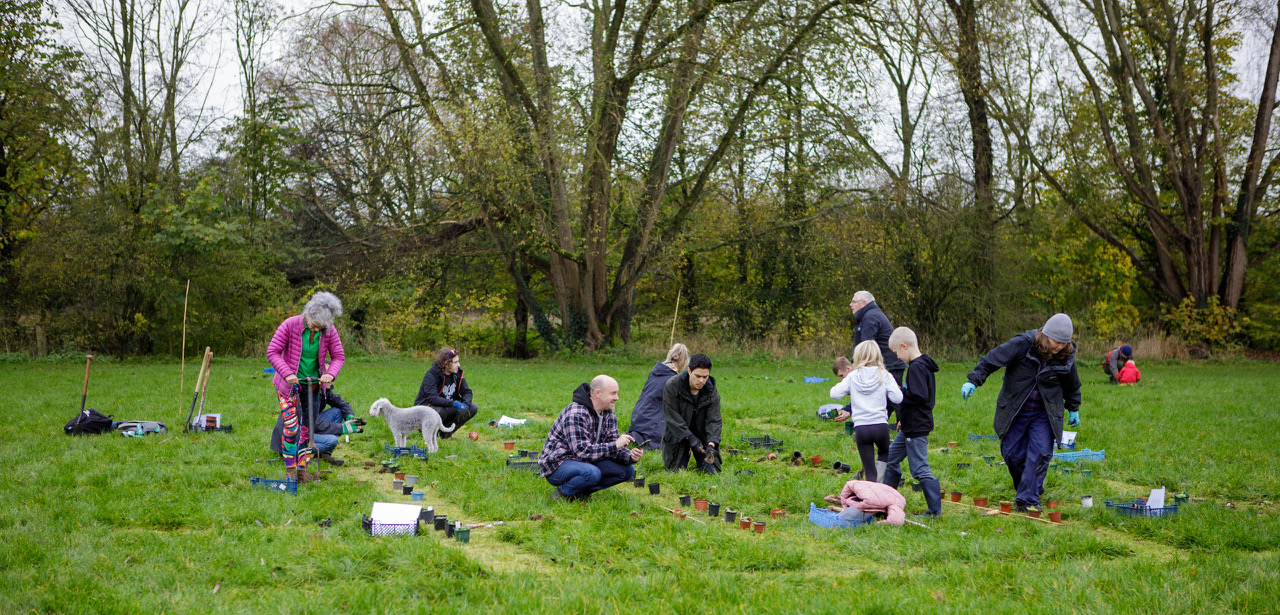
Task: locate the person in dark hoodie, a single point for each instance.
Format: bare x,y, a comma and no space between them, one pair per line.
584,453
444,389
915,420
648,422
1040,381
872,324
692,406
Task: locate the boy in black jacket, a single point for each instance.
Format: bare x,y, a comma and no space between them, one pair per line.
915,420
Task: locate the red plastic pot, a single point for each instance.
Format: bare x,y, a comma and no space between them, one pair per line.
777,513
980,502
955,496
399,475
816,460
511,446
744,523
759,527
1006,507
700,504
1053,504
1055,516
1033,513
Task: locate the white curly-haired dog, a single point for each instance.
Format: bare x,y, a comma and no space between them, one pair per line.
404,421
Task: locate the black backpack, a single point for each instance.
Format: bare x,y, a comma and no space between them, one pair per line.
88,421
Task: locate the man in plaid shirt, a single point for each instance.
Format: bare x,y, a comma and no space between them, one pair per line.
584,452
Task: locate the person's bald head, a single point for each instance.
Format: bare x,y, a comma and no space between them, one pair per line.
604,393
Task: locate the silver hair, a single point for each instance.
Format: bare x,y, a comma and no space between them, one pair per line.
323,308
864,295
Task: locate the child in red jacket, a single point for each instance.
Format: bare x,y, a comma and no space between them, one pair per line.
1129,374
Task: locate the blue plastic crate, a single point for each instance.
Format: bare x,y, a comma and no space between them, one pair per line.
990,436
822,517
287,486
1139,508
396,451
1084,455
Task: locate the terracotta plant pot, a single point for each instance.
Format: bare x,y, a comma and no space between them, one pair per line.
1006,507
744,523
654,488
759,525
1053,504
686,500
777,513
638,481
771,456
1034,513
713,509
473,435
955,496
952,445
730,515
700,504
676,513
399,475
980,502
511,446
816,460
1055,516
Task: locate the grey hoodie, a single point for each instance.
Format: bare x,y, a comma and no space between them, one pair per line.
867,388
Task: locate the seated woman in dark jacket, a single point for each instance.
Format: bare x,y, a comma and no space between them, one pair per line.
444,389
647,420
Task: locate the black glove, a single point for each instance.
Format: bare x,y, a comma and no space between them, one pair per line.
696,444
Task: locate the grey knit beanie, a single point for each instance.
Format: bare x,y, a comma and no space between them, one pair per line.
1058,328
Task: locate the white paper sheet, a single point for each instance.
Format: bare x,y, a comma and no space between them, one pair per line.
400,514
1156,499
507,421
1068,438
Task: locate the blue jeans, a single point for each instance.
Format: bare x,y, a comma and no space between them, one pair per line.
580,478
915,451
1027,449
325,443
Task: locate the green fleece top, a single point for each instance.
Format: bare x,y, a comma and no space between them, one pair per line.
309,363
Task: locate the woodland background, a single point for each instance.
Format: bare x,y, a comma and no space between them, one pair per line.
523,178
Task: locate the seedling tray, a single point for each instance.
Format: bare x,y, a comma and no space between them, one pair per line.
288,486
1084,455
226,428
396,451
825,518
1139,508
765,441
989,436
388,529
514,463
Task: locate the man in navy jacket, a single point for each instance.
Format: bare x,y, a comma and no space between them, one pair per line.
872,324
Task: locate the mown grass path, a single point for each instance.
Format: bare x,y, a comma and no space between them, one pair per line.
106,524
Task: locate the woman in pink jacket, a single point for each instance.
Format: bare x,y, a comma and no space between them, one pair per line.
304,346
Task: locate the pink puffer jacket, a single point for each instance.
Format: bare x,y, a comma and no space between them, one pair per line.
285,350
872,497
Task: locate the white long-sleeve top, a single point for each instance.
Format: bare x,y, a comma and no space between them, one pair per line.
868,389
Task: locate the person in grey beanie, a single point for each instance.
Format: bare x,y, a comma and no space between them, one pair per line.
1040,381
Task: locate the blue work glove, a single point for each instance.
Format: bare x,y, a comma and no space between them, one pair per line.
1073,418
967,389
460,406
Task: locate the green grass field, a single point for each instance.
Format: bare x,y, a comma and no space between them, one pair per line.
105,524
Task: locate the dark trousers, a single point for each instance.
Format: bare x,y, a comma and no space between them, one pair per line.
892,407
452,416
1027,449
581,478
873,445
676,458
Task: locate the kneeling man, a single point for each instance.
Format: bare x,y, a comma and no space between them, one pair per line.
584,452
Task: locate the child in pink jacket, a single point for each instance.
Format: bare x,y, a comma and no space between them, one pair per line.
873,498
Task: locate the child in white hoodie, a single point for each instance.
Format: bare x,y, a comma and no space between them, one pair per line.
870,387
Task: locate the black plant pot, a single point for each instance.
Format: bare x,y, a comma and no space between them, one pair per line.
441,521
449,529
686,500
638,481
427,515
654,488
407,489
730,516
713,509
